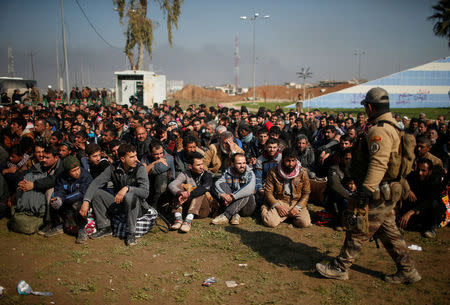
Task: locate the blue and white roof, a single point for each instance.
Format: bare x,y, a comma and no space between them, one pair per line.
423,86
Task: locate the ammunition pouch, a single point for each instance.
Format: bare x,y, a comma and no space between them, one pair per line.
356,216
391,191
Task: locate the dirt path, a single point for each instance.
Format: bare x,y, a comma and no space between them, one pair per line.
169,268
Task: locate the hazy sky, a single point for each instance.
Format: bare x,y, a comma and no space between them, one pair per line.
394,34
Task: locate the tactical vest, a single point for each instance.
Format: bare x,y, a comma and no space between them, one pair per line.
120,178
401,163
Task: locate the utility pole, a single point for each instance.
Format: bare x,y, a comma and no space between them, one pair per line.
58,76
253,19
65,53
359,53
236,63
11,72
32,66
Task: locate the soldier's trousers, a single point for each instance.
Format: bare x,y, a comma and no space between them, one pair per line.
382,223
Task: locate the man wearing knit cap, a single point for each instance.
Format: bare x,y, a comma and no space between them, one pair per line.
71,185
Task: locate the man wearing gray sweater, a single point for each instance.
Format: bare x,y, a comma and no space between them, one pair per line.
131,185
235,189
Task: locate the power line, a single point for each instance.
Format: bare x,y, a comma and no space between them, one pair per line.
93,27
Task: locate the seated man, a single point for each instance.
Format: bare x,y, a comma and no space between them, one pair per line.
423,148
235,190
142,142
191,189
181,157
161,171
423,207
305,154
93,161
35,189
15,168
337,193
71,185
218,158
270,158
248,139
287,191
131,185
329,146
65,149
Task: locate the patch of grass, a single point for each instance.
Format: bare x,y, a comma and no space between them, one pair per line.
78,254
212,296
142,294
121,250
76,287
39,274
46,248
337,293
432,113
126,265
180,294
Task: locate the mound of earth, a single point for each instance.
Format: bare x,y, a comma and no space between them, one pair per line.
271,92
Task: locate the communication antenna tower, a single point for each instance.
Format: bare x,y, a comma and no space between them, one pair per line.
236,63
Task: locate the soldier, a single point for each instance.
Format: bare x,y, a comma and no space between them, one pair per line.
378,191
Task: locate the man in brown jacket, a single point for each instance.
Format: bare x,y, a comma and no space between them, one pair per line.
218,157
287,191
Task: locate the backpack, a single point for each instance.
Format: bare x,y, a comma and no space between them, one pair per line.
402,164
25,222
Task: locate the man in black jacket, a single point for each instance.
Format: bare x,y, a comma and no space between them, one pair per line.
131,188
423,207
191,189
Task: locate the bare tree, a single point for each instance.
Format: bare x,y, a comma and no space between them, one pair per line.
140,28
304,73
442,17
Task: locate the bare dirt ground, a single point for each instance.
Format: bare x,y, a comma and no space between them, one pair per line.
169,268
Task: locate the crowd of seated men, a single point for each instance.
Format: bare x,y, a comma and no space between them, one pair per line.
96,161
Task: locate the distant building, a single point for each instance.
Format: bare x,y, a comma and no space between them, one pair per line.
295,85
229,89
423,86
142,87
174,86
11,83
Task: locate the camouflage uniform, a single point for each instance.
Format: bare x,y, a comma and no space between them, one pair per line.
378,165
383,143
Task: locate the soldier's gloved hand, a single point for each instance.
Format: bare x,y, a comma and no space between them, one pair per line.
364,196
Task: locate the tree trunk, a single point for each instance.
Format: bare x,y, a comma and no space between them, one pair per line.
131,59
140,62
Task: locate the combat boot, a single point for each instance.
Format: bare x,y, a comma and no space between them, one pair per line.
332,271
403,277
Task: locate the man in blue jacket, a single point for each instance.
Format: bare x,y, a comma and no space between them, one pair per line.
71,185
